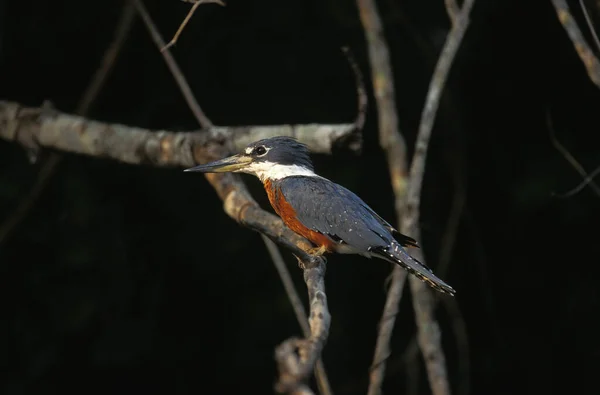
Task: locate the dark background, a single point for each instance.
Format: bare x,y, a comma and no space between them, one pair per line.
129,279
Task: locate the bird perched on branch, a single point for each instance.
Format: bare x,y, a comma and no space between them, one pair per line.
330,216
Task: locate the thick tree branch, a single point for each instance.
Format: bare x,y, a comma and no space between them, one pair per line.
590,61
295,357
429,335
36,128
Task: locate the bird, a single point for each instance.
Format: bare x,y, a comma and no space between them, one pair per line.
330,216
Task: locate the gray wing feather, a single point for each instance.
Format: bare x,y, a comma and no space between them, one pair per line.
333,210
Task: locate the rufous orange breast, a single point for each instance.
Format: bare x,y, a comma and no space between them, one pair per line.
288,216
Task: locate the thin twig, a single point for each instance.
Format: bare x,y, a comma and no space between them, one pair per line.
590,25
588,179
298,307
429,335
590,61
394,146
180,79
51,163
182,26
187,19
452,9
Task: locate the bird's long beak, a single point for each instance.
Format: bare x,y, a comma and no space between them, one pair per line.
232,163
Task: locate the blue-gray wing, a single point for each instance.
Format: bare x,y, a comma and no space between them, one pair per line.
333,210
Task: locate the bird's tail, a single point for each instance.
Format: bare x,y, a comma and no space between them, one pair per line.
397,254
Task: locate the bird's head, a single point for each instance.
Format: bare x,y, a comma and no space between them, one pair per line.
272,158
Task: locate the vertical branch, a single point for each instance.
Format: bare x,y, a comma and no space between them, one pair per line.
394,146
288,285
296,358
590,25
429,336
584,51
452,9
89,96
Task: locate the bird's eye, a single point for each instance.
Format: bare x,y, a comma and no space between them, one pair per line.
260,151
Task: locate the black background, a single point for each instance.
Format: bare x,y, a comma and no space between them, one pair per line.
130,279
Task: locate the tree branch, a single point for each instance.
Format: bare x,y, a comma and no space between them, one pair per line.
295,357
572,161
590,61
452,9
394,146
180,79
429,335
298,307
196,4
35,128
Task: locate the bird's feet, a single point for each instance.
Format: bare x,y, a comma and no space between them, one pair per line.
318,251
315,256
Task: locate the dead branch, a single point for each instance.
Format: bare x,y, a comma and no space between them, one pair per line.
452,9
180,79
298,307
187,19
394,146
296,358
50,164
429,336
590,61
587,179
590,25
38,127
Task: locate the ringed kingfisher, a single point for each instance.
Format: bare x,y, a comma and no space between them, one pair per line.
330,216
